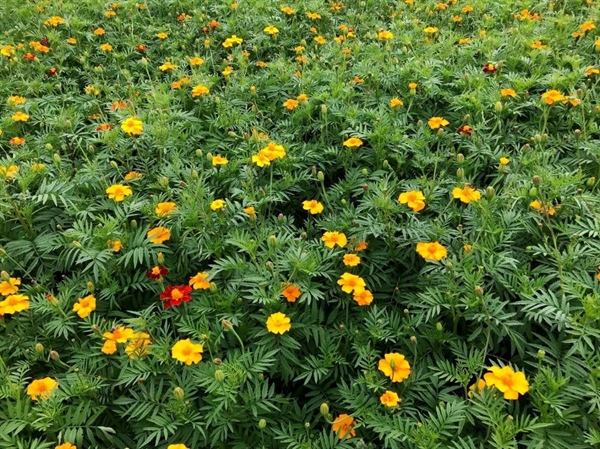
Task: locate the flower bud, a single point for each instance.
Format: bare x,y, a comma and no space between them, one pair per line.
195,174
479,291
76,244
219,376
304,236
489,192
460,173
178,393
272,240
536,179
460,158
324,409
39,348
590,182
365,172
56,158
199,152
541,354
343,201
133,224
90,286
144,62
227,324
533,192
49,147
217,361
498,106
160,257
420,123
386,164
262,424
5,276
440,131
577,133
54,355
439,326
320,176
413,340
270,265
526,148
253,89
280,218
113,164
209,156
163,181
323,109
313,170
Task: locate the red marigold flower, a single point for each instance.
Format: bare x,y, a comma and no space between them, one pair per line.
157,272
29,56
51,72
141,48
465,129
174,295
104,127
490,68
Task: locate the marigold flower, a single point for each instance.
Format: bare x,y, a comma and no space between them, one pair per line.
353,142
537,45
16,100
390,399
117,246
120,334
332,238
437,122
351,260
490,68
217,204
290,104
508,92
351,283
13,304
177,446
592,71
29,56
199,90
431,251
320,40
106,48
85,306
200,281
250,211
37,167
396,102
587,26
467,194
16,141
10,287
278,323
302,98
231,41
313,206
504,161
343,426
137,346
167,66
132,175
291,292
361,246
395,366
20,117
162,35
187,352
118,192
164,209
132,126
385,35
54,21
66,446
271,30
158,235
415,199
41,388
510,382
227,71
157,272
431,30
464,40
552,96
175,295
363,297
477,386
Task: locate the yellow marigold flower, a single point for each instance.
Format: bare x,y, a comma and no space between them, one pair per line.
164,209
200,281
467,9
396,102
313,15
395,366
592,71
199,90
138,345
291,292
351,260
159,235
431,250
99,32
385,35
250,211
351,283
85,306
508,92
320,40
504,161
132,126
290,104
437,122
361,246
506,380
20,117
537,45
313,206
464,40
431,30
54,21
261,159
66,446
287,10
217,204
187,352
41,388
332,238
467,248
120,334
219,160
196,60
7,50
278,323
343,426
37,167
10,287
132,175
177,446
467,194
167,66
587,26
552,96
353,142
231,41
271,30
441,6
413,199
227,71
302,98
479,386
118,192
117,246
162,35
16,100
13,304
390,399
106,48
363,297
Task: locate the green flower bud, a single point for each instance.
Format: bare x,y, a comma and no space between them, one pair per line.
321,176
133,224
90,286
460,158
219,376
262,424
460,173
498,106
541,354
324,409
479,291
178,393
439,326
39,348
536,179
590,182
56,158
489,192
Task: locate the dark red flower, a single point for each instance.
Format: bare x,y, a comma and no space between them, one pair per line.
141,48
51,72
465,129
29,56
157,272
45,42
205,29
175,295
490,68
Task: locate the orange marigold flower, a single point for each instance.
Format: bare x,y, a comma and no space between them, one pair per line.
313,206
41,388
396,102
163,209
395,366
351,260
506,380
118,192
385,35
117,246
431,250
361,246
290,104
351,283
66,446
587,26
291,292
508,92
199,90
159,235
467,194
13,304
413,199
187,352
437,122
10,286
343,426
200,281
278,323
132,175
552,96
390,399
85,306
363,297
332,238
17,141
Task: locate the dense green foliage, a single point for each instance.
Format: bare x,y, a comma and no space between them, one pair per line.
519,285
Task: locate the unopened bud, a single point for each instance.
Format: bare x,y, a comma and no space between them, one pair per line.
324,409
577,133
195,174
590,182
280,218
526,148
227,324
440,131
365,172
39,348
460,158
323,109
219,376
113,164
270,265
321,176
262,424
536,179
413,340
5,276
199,153
386,164
56,158
49,147
76,244
133,224
489,192
533,192
478,291
420,123
160,257
178,393
209,156
498,106
460,173
541,354
163,181
144,62
54,355
439,326
272,240
217,361
304,235
90,286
